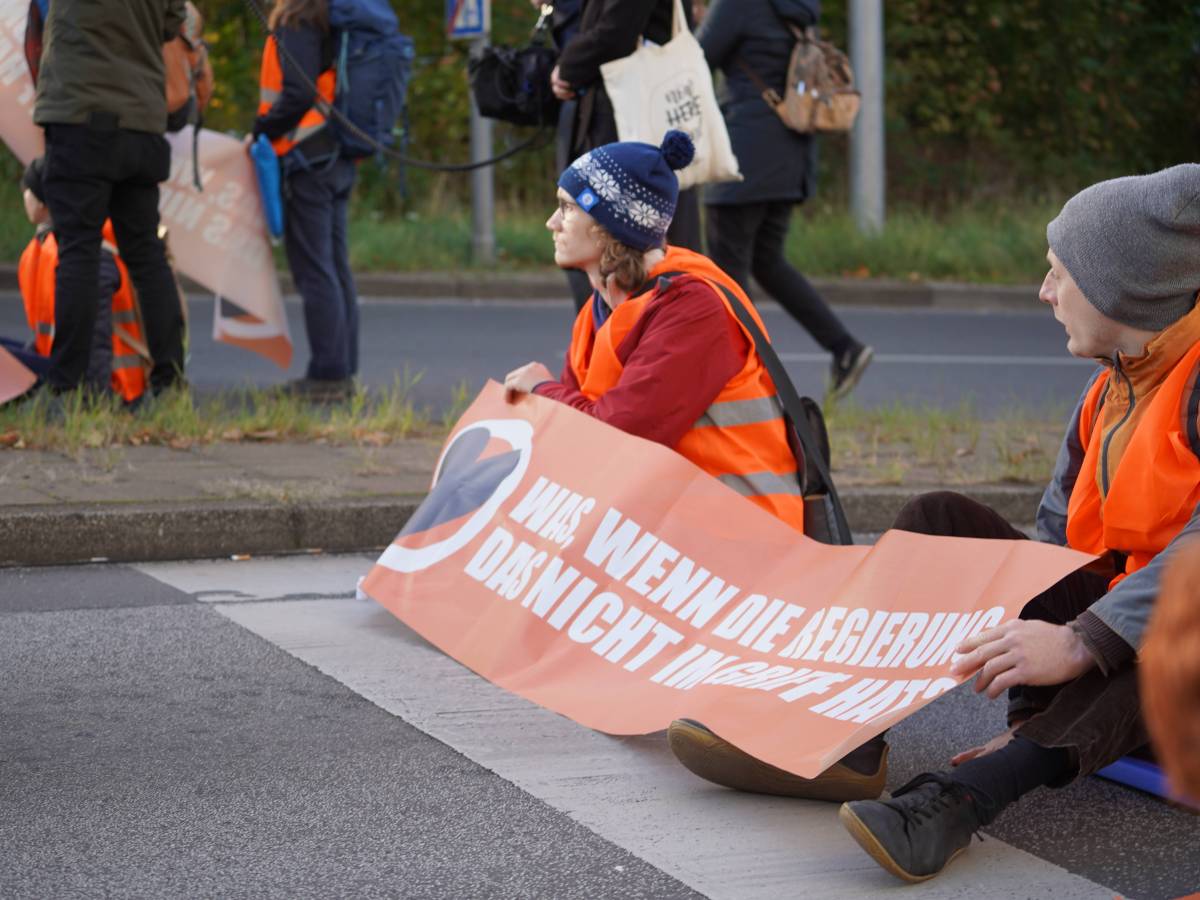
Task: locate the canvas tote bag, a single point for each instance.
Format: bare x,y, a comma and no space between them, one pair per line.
655,89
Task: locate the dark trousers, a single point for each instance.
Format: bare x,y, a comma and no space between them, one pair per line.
314,236
27,356
1096,717
747,238
95,172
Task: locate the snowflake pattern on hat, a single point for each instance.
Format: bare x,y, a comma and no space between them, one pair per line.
628,199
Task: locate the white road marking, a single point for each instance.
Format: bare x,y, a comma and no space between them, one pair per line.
950,359
269,578
628,790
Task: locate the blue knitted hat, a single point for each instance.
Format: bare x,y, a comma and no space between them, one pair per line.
630,188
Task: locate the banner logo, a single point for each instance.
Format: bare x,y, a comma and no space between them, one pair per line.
472,478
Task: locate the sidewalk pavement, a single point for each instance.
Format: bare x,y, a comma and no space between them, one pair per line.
549,285
132,504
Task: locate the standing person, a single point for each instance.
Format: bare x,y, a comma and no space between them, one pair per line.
608,30
101,97
316,190
748,220
564,23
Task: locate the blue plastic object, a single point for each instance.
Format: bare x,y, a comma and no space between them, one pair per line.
1138,773
266,167
1145,776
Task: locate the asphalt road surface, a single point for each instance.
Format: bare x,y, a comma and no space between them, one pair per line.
249,729
994,361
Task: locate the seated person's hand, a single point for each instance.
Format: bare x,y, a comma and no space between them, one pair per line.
1023,651
525,379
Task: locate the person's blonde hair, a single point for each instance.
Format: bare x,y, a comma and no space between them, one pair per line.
624,263
289,13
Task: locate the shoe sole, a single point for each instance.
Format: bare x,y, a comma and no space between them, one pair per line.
710,757
854,375
867,840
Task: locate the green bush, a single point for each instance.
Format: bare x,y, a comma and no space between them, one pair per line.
985,101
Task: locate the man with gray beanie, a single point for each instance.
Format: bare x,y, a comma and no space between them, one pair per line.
1124,272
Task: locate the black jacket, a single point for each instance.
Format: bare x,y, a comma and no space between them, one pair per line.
105,56
608,30
776,162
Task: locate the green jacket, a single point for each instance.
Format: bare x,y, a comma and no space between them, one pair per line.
106,56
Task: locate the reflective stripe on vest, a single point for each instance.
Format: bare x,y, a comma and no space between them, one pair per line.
741,412
37,281
757,484
1155,489
741,439
271,89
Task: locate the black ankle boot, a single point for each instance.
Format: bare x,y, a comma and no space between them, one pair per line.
915,834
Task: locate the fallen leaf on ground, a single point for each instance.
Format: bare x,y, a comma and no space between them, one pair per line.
267,434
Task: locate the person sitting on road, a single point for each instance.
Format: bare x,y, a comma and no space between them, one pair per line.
658,352
117,356
1170,673
1124,272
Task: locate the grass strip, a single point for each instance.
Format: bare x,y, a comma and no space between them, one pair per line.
898,444
74,422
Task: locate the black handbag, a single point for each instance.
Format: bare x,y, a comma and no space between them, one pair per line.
513,84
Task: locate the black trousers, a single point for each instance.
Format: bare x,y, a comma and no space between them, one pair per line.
747,238
95,172
1096,717
314,237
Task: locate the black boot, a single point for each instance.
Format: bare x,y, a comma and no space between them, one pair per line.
915,834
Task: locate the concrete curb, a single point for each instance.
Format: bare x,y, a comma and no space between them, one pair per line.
57,535
549,285
54,535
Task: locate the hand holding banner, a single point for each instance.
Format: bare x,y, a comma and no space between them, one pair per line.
609,579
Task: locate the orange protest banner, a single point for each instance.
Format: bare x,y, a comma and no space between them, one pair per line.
607,578
15,378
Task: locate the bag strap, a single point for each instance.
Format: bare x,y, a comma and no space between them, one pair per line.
769,94
678,20
793,408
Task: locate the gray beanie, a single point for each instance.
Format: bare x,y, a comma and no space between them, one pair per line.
1133,245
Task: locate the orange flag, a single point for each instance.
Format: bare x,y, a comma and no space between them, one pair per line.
609,579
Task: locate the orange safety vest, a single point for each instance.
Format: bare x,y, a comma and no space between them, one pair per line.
741,439
1155,489
270,89
36,273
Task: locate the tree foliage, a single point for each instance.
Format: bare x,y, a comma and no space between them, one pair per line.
983,99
